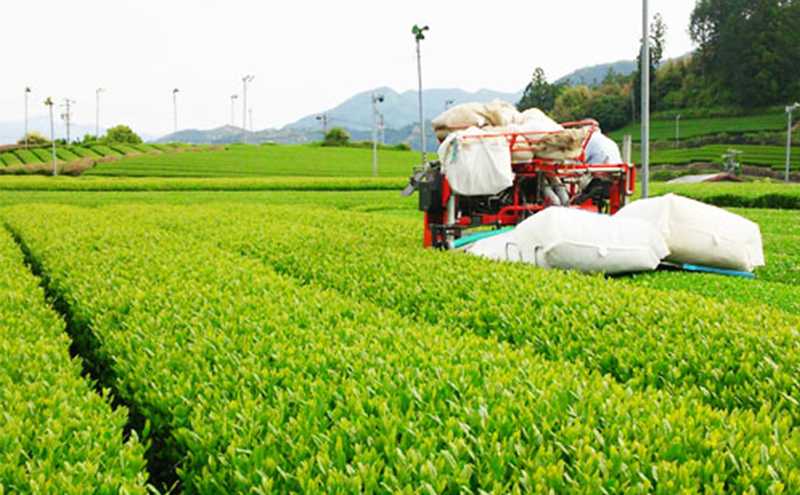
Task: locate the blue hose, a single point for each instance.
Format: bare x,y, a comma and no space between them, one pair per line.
477,237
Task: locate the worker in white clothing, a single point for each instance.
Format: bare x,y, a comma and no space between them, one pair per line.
601,150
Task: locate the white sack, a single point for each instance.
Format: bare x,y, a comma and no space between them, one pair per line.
500,113
534,120
476,166
458,118
601,150
522,150
572,239
701,234
501,247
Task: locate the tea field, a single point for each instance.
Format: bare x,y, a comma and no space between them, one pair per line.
291,336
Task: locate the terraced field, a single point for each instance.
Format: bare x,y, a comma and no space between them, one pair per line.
665,129
292,337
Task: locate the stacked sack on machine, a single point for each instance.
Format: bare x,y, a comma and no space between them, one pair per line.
535,134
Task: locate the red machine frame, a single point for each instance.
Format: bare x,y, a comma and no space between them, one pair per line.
441,204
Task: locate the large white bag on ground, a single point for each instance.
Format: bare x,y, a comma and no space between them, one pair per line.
474,165
572,239
701,234
501,247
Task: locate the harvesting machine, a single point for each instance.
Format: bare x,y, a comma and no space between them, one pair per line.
538,183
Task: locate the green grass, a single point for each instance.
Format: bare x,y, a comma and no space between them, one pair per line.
9,158
253,161
665,129
768,156
84,152
66,155
44,155
103,150
27,157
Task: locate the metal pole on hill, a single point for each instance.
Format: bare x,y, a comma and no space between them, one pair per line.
376,98
27,90
233,100
789,110
175,113
419,35
645,71
49,103
97,112
245,80
678,131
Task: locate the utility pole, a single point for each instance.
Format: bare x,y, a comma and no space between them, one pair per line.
383,130
67,115
97,113
645,70
789,110
325,118
678,131
27,90
250,112
419,35
376,98
245,80
49,103
448,104
175,113
233,100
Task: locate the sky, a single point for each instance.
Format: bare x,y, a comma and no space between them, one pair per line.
306,56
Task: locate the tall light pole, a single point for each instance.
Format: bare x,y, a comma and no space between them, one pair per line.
419,35
233,100
250,113
645,71
49,103
245,80
789,110
175,113
383,129
67,115
376,98
97,112
448,104
27,90
325,118
678,131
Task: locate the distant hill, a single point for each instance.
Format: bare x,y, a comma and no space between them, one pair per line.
594,75
399,109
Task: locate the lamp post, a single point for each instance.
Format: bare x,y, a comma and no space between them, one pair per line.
645,71
376,98
325,118
233,100
27,90
175,113
245,80
789,110
419,35
97,112
678,131
49,103
448,104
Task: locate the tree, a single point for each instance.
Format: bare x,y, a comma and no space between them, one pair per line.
34,139
539,93
336,137
749,49
658,32
573,104
122,134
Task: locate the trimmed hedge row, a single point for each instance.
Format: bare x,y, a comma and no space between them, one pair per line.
256,383
730,355
57,436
